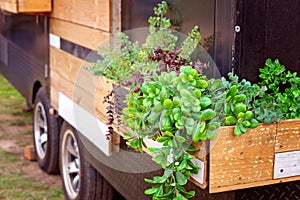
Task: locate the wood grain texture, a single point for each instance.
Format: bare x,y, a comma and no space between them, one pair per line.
78,34
26,6
69,77
54,89
89,13
245,159
116,19
35,6
255,184
9,5
288,136
203,151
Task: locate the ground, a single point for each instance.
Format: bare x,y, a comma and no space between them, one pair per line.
20,178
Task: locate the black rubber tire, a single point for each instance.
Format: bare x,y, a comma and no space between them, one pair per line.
92,186
48,160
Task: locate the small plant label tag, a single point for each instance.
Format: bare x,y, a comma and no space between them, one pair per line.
200,176
287,164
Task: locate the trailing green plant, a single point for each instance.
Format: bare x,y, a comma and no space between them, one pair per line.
170,101
174,110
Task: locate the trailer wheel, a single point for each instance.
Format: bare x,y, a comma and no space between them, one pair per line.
79,179
45,133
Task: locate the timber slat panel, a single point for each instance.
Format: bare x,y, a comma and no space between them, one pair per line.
10,6
288,136
203,147
54,89
78,34
94,14
24,6
34,5
78,84
255,184
245,159
102,90
66,64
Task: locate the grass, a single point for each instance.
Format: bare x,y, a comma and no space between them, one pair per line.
7,157
13,184
25,132
17,187
11,100
19,122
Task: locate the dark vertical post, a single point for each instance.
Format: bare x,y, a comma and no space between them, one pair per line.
224,34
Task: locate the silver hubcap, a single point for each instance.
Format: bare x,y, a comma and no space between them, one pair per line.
40,130
70,164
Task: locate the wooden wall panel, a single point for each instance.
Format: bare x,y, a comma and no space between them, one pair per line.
78,34
54,89
65,64
90,13
9,5
68,77
103,88
34,5
24,6
288,136
239,160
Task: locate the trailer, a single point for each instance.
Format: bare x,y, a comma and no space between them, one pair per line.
44,43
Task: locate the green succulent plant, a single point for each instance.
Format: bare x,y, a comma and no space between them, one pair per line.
171,102
175,110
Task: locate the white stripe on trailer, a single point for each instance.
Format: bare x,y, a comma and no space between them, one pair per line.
86,123
54,40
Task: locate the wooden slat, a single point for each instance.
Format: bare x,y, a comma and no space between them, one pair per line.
78,84
288,136
79,34
116,19
64,63
103,89
60,84
79,95
255,184
10,6
73,70
10,1
25,6
239,160
54,89
203,147
34,5
90,13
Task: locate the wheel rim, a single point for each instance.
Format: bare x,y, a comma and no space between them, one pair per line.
40,130
70,164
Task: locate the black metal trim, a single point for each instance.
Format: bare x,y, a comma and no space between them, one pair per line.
79,51
237,53
74,49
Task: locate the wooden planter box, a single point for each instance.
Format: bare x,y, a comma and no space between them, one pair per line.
265,155
268,154
25,6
